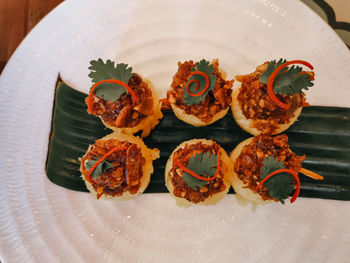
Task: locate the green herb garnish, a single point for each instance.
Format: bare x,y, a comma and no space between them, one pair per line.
100,169
102,71
202,164
288,81
280,185
207,69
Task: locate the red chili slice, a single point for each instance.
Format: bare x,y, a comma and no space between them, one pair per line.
295,175
117,148
198,176
115,81
197,84
272,77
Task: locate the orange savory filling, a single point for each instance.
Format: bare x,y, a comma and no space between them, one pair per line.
126,174
250,160
256,104
180,187
121,113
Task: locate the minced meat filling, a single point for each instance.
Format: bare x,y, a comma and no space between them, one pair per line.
250,160
122,113
217,100
126,173
180,187
256,104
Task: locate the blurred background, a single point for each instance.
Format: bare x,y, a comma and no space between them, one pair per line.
18,17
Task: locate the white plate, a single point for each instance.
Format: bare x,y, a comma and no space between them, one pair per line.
42,222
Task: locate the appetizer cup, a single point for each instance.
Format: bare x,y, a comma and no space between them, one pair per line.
199,93
266,169
270,100
118,166
198,171
122,99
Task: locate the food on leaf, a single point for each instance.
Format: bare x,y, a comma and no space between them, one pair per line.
122,99
198,172
270,99
118,166
199,94
265,169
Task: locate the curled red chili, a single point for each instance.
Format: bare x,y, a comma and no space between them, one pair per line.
117,148
272,77
115,81
293,173
197,84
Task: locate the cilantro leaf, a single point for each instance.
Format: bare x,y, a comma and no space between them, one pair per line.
292,81
100,169
288,81
110,91
204,67
264,77
203,164
103,71
193,182
280,185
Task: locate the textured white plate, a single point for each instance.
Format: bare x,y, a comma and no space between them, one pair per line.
42,222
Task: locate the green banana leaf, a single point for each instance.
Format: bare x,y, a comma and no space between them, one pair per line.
322,134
